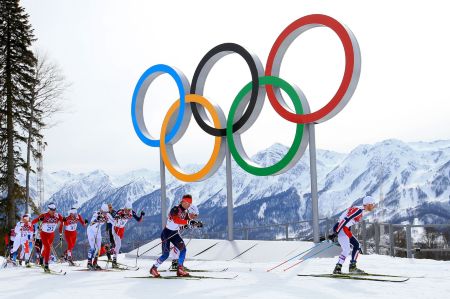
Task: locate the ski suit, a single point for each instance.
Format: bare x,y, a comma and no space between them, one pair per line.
178,217
47,233
70,231
94,232
23,236
120,220
348,242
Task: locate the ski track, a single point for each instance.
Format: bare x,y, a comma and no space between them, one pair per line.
253,281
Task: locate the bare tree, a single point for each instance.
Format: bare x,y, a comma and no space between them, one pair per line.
46,100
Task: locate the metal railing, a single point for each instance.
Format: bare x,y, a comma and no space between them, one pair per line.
398,233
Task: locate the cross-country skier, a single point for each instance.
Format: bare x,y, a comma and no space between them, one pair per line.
174,252
38,244
178,217
120,220
70,231
109,231
348,242
49,222
23,235
94,234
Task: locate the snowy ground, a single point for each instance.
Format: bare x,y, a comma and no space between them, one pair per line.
253,281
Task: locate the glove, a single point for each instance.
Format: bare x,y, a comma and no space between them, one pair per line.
64,218
41,218
195,223
142,213
86,221
60,238
332,237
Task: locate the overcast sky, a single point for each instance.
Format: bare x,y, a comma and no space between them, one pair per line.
103,47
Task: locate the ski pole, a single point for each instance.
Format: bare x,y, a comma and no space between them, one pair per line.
302,260
158,244
307,250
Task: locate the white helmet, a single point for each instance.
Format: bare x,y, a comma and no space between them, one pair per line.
104,207
51,206
128,205
368,200
193,210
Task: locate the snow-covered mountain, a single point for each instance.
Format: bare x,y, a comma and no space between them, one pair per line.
411,179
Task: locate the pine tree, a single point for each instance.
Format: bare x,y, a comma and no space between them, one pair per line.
17,64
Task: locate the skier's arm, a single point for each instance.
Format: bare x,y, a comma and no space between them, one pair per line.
61,223
347,219
37,219
136,217
81,220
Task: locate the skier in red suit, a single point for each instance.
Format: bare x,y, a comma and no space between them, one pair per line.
70,231
49,221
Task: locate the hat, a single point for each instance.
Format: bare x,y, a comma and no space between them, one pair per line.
187,198
73,210
128,205
26,216
368,200
51,206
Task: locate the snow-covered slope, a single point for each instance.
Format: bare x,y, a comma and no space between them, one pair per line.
252,281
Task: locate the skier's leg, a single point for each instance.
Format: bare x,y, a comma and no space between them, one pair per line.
165,246
15,248
356,249
91,239
345,245
118,234
179,244
47,241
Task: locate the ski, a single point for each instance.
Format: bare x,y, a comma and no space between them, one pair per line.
98,270
356,277
121,268
165,277
203,251
243,252
53,272
385,275
193,277
120,264
197,270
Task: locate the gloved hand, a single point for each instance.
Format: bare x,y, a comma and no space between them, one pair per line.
86,221
60,238
195,223
142,213
41,218
64,218
333,237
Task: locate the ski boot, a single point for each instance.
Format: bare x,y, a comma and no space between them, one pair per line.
70,261
337,269
352,269
96,266
46,268
27,264
181,272
20,262
90,266
114,263
174,266
154,272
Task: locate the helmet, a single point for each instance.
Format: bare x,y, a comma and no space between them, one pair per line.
73,210
51,206
104,207
193,210
368,200
128,205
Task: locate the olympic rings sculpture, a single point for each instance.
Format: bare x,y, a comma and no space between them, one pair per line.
248,103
